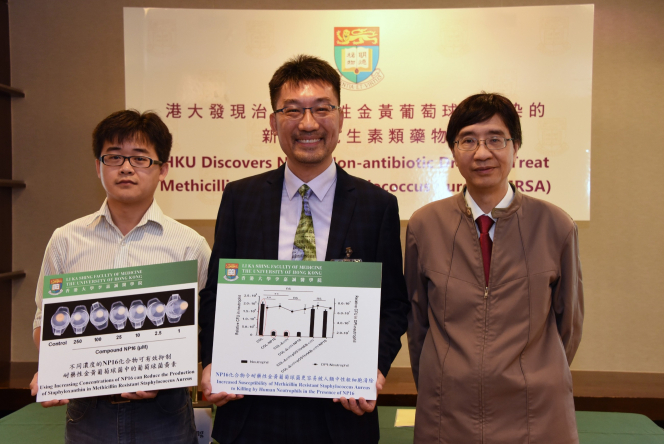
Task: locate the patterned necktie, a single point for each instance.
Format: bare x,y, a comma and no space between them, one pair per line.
484,223
304,246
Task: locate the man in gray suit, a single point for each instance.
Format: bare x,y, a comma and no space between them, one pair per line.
494,279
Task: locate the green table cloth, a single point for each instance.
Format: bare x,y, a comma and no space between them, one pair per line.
594,428
35,424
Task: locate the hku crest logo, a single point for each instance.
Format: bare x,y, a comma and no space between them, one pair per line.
231,272
356,53
56,287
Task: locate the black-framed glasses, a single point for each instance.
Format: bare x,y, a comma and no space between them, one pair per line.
297,112
491,143
135,161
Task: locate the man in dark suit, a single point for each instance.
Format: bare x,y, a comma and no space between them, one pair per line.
308,209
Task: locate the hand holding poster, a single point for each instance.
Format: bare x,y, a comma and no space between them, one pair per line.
291,328
116,331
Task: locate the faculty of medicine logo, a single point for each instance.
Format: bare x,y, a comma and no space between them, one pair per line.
56,287
356,56
231,272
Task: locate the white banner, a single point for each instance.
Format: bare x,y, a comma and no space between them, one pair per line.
206,72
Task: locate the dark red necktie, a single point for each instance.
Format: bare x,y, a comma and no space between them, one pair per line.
484,223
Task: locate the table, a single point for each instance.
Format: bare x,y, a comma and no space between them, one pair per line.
36,424
594,428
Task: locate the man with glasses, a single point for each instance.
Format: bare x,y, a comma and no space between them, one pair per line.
494,280
131,151
308,209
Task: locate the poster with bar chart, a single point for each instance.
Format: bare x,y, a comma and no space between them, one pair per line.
291,328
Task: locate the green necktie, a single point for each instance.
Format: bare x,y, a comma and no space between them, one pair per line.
304,246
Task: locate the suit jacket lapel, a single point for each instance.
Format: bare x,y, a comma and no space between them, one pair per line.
271,209
342,215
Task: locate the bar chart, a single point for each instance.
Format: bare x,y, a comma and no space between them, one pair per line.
298,315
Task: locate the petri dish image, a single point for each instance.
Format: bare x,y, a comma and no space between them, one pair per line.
99,316
156,311
137,313
119,315
175,308
79,319
60,320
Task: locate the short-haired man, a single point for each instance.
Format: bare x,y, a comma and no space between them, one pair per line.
494,280
261,217
131,151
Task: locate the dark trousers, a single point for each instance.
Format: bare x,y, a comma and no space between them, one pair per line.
166,419
281,420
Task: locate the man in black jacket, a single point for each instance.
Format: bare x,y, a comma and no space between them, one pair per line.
262,217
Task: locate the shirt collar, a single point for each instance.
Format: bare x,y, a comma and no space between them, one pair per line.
477,211
320,185
153,214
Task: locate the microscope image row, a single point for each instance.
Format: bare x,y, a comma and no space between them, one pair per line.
137,312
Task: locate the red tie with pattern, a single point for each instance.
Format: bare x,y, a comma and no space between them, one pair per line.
484,223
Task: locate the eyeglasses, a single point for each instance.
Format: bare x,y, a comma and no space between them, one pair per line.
297,113
135,161
492,143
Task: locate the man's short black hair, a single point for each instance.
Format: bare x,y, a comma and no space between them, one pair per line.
480,107
131,125
301,69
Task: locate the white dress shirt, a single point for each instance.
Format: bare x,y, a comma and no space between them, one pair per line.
321,202
94,242
477,211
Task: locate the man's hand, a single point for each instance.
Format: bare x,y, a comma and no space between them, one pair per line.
362,406
140,395
217,399
34,387
36,337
